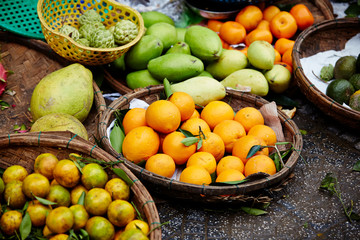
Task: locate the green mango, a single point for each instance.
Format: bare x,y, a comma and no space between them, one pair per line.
261,55
141,79
205,74
176,67
204,43
152,17
141,53
181,34
179,47
118,65
67,90
251,78
165,32
229,62
202,89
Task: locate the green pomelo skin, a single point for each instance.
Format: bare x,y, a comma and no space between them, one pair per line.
355,81
340,90
354,101
67,90
176,67
179,47
261,55
140,79
345,67
202,89
248,78
165,32
149,47
204,43
152,17
60,122
229,62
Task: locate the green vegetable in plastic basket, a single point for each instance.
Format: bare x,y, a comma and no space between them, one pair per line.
70,31
89,16
102,39
125,31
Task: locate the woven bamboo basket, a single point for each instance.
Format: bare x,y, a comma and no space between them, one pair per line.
23,148
31,60
52,14
211,194
321,10
327,35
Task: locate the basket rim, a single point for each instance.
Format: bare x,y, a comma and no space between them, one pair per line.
299,71
122,47
211,190
68,140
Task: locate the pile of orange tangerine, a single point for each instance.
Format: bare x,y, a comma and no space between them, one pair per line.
212,142
270,24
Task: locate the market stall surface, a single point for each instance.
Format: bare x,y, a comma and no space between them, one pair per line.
300,209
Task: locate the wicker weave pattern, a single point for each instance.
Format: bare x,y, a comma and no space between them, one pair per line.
53,14
22,149
180,190
327,35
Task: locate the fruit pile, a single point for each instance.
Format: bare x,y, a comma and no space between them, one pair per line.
271,24
93,33
210,144
62,100
60,199
178,54
344,77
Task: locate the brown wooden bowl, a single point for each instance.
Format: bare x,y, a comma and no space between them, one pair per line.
23,148
327,35
180,190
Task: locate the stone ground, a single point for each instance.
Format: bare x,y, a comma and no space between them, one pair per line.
300,210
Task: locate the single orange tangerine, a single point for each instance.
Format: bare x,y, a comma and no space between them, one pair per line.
249,17
232,32
302,15
283,25
270,12
283,44
258,34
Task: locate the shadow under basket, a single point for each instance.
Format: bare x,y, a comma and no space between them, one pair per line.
23,148
327,35
198,193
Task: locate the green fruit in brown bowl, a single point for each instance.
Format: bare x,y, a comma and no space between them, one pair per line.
340,90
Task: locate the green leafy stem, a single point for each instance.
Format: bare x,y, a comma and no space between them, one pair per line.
330,184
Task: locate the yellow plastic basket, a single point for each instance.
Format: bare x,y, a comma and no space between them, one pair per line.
53,13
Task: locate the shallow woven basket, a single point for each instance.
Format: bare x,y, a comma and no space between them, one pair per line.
22,149
327,35
180,190
31,60
321,10
53,13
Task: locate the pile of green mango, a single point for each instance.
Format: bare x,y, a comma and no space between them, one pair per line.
181,54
